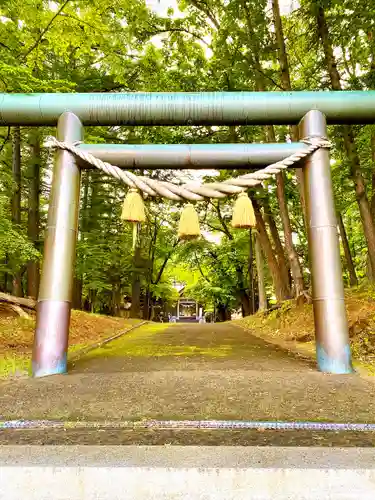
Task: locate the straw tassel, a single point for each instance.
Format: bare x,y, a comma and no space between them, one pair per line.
189,224
133,209
135,235
243,212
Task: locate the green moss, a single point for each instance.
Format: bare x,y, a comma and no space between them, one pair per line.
15,365
148,341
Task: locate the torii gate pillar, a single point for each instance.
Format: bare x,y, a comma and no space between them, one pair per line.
55,294
331,325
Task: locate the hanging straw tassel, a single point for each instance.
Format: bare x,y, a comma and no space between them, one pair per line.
135,235
243,212
133,209
188,228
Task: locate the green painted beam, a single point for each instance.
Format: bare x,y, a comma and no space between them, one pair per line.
228,156
220,108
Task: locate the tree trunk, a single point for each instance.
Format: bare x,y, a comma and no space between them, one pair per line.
135,309
270,136
373,176
350,147
33,268
244,297
77,293
16,199
223,313
295,265
286,84
282,291
260,272
86,208
116,299
4,278
348,255
28,303
146,305
293,259
279,249
251,273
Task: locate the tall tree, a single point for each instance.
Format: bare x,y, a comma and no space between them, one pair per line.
281,286
16,200
287,85
33,213
348,136
260,272
256,50
348,256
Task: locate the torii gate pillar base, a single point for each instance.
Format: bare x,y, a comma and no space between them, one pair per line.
331,325
55,294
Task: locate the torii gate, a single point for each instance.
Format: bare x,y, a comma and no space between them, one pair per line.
70,112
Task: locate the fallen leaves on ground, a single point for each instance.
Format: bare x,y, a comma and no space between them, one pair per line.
296,323
17,334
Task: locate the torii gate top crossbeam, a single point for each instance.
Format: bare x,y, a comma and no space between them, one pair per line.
211,108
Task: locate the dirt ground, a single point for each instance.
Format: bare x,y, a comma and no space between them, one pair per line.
190,372
295,324
17,334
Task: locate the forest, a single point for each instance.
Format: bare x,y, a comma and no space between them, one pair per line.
194,45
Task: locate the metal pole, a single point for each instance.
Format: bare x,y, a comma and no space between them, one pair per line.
187,108
55,295
174,156
331,326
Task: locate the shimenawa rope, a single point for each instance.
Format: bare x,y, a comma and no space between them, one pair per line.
190,191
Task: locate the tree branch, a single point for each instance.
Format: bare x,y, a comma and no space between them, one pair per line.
5,46
206,10
200,269
81,21
176,30
222,221
6,139
166,259
44,31
219,229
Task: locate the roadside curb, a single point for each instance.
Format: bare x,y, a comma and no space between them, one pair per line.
171,472
77,355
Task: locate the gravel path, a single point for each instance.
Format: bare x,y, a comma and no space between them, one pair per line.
231,375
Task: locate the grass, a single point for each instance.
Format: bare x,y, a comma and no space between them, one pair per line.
295,324
17,334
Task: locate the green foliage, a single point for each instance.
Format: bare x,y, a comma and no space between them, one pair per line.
15,249
92,46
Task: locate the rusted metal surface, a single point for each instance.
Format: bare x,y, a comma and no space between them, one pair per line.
331,325
55,294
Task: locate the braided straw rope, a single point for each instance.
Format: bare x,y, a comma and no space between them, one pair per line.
192,191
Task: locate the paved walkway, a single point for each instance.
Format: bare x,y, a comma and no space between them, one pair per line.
191,372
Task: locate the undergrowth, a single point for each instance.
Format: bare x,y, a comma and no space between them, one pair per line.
296,323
